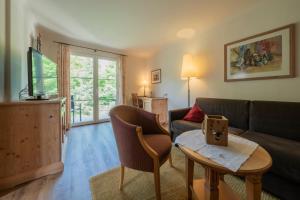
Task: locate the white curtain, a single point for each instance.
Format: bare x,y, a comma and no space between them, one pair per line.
121,82
63,65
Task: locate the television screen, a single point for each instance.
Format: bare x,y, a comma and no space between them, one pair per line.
42,74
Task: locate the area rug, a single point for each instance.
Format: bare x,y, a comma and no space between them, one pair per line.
140,185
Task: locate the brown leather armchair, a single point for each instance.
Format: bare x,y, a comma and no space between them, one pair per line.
142,143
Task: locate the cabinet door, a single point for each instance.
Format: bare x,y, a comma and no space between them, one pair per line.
148,105
159,106
30,139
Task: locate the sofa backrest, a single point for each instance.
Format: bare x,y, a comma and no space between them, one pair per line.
236,111
280,119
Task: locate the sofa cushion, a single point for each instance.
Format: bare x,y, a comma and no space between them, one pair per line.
236,111
280,119
284,152
182,125
235,131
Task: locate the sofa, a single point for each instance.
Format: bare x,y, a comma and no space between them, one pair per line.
273,125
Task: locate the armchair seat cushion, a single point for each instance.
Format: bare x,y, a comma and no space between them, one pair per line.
161,144
284,152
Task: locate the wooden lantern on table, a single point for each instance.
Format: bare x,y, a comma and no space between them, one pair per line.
215,128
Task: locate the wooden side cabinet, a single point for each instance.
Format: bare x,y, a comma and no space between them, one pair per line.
158,105
32,139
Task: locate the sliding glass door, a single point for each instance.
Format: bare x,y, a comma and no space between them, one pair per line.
81,82
94,87
107,84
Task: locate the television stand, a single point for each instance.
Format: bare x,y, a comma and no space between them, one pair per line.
33,140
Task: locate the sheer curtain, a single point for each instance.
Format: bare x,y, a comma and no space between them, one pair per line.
121,82
63,66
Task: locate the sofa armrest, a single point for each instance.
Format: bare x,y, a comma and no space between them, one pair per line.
177,114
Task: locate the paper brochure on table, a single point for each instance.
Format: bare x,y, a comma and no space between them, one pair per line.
231,156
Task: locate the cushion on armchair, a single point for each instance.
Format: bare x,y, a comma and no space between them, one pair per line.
161,144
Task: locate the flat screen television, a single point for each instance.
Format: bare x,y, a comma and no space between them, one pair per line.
42,75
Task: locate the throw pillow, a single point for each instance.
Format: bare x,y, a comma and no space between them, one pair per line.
195,114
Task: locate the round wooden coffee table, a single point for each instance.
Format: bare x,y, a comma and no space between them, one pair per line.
213,187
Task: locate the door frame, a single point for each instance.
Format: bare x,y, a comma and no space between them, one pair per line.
97,56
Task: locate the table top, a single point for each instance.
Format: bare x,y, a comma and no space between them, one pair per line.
259,162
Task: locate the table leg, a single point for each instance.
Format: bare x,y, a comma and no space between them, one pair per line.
253,187
189,173
211,184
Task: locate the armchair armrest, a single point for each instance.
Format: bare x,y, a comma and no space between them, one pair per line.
150,123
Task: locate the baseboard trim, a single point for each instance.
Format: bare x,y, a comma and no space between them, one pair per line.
11,181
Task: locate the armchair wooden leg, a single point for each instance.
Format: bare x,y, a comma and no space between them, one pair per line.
122,169
157,181
170,160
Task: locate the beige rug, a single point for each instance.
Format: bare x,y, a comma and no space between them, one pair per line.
140,185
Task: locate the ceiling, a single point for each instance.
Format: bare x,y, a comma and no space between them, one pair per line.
134,26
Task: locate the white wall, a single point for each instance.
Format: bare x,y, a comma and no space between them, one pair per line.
2,48
209,49
21,23
136,71
17,60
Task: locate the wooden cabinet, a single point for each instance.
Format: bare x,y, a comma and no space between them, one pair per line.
157,105
32,135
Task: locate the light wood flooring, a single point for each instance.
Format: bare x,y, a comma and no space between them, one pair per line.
91,150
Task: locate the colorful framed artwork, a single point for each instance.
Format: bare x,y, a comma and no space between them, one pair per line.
267,55
156,76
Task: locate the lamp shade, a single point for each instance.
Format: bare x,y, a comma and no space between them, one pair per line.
189,69
144,82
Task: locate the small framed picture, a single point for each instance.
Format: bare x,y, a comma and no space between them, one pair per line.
156,76
267,55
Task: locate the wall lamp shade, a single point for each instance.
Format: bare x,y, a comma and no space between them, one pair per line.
189,69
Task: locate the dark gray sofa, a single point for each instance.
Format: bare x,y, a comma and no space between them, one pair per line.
235,110
273,125
276,127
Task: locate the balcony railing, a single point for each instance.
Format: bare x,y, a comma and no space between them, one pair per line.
80,112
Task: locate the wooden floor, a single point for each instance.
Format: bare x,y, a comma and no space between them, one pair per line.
91,150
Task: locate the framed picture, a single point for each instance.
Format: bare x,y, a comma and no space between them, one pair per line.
156,76
267,55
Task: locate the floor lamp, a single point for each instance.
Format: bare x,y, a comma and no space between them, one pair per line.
189,70
145,83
